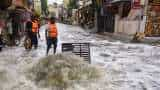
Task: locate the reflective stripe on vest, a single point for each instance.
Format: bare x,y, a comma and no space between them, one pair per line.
35,26
52,30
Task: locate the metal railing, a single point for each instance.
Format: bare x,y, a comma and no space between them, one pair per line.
80,49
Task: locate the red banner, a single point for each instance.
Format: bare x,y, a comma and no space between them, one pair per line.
18,2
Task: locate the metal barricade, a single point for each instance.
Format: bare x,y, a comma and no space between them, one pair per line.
80,49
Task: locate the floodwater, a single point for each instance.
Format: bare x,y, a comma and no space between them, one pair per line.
127,66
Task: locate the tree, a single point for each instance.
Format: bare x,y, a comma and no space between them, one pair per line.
44,7
72,4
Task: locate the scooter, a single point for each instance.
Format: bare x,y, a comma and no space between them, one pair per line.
27,43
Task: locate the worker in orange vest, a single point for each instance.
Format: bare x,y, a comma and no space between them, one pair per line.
51,35
35,32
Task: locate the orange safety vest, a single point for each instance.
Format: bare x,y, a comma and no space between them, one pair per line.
52,30
35,26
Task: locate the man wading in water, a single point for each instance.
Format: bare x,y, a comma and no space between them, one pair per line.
51,34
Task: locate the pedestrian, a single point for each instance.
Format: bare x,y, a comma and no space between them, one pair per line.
35,32
10,31
1,28
1,43
51,34
16,27
28,29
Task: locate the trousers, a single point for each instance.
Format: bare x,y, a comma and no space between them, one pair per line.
50,42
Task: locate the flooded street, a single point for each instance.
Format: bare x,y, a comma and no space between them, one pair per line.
127,66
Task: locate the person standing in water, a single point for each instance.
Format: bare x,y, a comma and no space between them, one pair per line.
51,34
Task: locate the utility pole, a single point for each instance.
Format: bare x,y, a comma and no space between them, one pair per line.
145,12
146,7
139,19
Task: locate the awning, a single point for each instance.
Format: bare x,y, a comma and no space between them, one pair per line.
115,1
115,6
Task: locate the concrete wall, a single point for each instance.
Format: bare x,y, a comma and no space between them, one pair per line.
129,27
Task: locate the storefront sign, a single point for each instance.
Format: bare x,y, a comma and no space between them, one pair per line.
155,5
142,2
136,4
18,2
154,1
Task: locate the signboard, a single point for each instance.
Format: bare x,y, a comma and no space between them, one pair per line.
136,4
155,5
142,2
18,2
154,1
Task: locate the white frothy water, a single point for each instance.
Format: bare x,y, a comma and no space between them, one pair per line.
127,66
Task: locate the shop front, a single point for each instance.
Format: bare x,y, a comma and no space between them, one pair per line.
86,16
153,18
106,15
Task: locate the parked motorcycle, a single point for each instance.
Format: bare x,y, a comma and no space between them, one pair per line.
27,43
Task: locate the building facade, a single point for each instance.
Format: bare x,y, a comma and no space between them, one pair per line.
120,16
128,16
133,22
85,13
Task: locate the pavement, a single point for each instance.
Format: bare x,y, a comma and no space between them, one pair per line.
128,38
